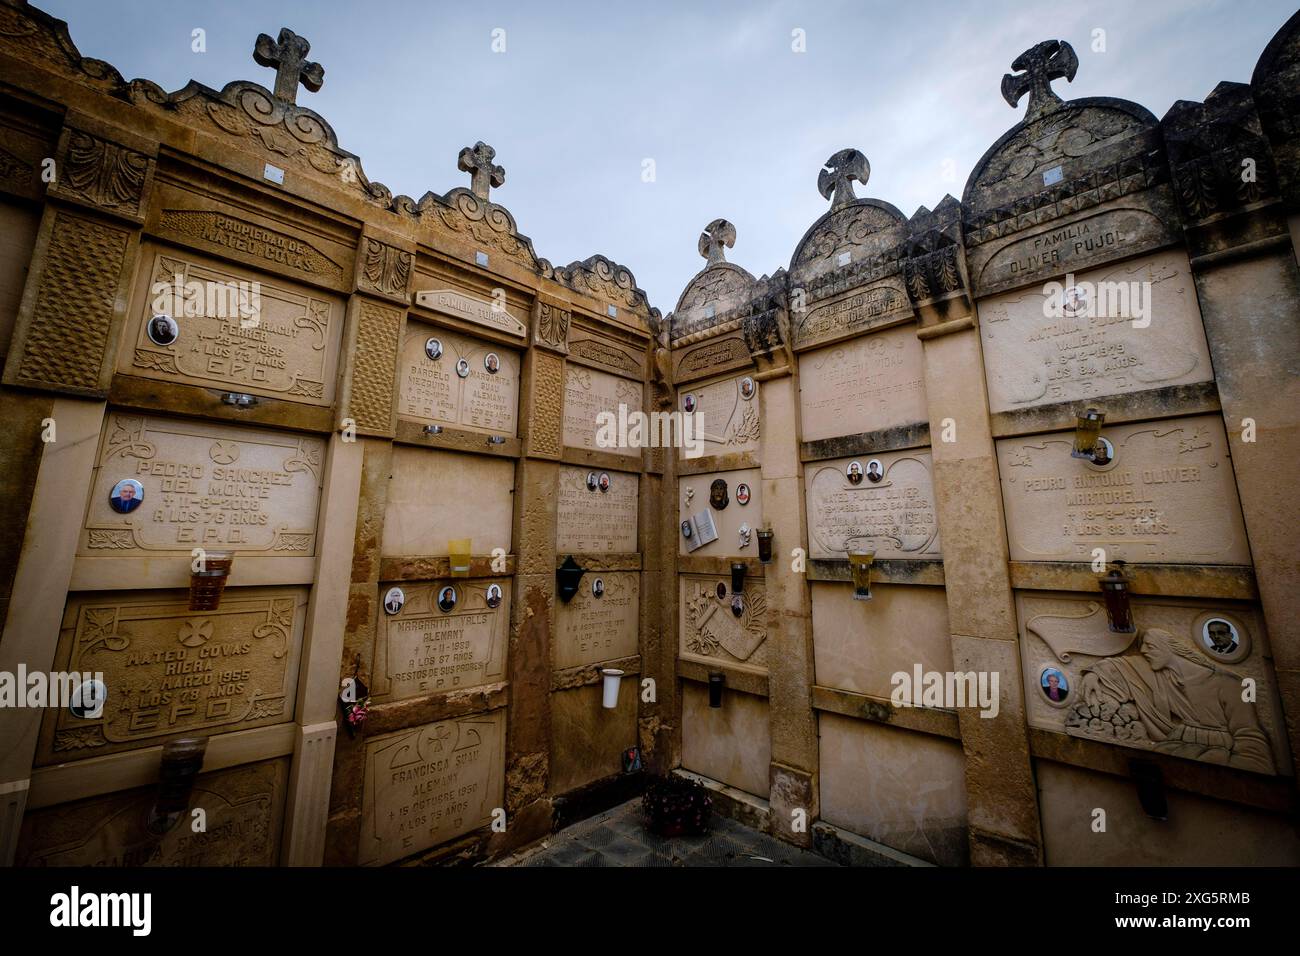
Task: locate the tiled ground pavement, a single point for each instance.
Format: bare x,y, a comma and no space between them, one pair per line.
617,838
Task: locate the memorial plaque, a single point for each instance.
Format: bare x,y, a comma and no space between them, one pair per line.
591,629
1168,496
431,390
244,807
857,312
588,393
863,385
224,233
173,672
726,414
238,331
487,314
424,650
710,629
1064,247
698,499
248,490
591,521
1174,686
1127,327
430,784
894,517
435,495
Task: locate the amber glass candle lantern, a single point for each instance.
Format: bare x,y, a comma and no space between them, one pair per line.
1087,430
1114,589
460,551
208,583
860,564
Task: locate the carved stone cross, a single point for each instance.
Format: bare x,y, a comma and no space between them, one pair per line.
1035,70
835,182
288,57
484,175
715,236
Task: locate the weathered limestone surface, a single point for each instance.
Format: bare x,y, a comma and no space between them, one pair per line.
214,306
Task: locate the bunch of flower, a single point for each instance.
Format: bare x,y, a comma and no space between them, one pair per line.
675,805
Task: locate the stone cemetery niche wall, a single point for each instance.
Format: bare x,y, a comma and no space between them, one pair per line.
919,380
385,410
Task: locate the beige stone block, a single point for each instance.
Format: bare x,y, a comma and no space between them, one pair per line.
709,629
18,226
1144,701
866,384
999,781
175,672
244,807
430,784
1198,832
587,741
954,392
595,521
239,330
1167,496
975,562
899,788
729,744
423,649
1093,346
783,507
894,517
432,390
590,396
694,493
437,496
779,443
252,491
727,413
859,645
592,628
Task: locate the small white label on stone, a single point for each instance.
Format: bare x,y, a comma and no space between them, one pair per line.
1052,176
844,257
612,311
274,174
481,258
708,312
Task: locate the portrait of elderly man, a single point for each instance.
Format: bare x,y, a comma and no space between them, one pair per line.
1188,706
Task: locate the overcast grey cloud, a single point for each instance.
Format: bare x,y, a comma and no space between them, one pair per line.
737,123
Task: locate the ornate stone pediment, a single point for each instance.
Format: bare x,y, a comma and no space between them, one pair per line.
856,232
1220,161
605,280
1276,87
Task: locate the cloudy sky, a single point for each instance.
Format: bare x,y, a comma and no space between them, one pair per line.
736,122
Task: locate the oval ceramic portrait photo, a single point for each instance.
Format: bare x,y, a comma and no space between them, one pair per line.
1222,637
447,598
1055,686
126,496
162,330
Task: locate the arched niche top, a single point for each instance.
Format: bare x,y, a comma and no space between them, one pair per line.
846,234
1059,150
715,290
